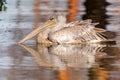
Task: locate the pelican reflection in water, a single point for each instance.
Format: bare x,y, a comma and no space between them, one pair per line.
63,56
56,30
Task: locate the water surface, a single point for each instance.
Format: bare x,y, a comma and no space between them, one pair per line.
39,62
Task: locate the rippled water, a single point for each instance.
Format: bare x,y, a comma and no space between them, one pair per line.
69,62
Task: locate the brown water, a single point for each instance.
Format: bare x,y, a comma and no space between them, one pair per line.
40,62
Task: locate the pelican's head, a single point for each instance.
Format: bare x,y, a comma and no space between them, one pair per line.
55,21
60,23
51,23
60,19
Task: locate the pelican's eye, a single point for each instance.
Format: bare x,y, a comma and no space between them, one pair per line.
51,18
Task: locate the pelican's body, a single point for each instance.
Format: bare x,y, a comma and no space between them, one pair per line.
72,35
74,32
65,35
58,31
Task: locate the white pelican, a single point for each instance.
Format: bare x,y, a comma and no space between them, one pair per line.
56,30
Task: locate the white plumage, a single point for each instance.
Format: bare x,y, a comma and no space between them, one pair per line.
57,30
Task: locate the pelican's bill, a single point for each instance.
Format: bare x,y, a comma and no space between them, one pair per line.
47,25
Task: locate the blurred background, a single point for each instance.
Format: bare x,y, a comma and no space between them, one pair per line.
19,17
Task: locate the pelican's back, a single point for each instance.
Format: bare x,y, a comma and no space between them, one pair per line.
78,32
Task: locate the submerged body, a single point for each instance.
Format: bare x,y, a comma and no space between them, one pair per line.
58,31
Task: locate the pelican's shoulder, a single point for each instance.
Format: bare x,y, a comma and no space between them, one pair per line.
79,23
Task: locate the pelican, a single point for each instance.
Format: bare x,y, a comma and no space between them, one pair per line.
57,30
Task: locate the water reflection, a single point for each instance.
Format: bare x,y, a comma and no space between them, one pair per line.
113,12
96,12
3,5
63,56
22,16
73,9
88,60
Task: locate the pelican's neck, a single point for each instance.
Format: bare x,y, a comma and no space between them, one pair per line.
58,27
